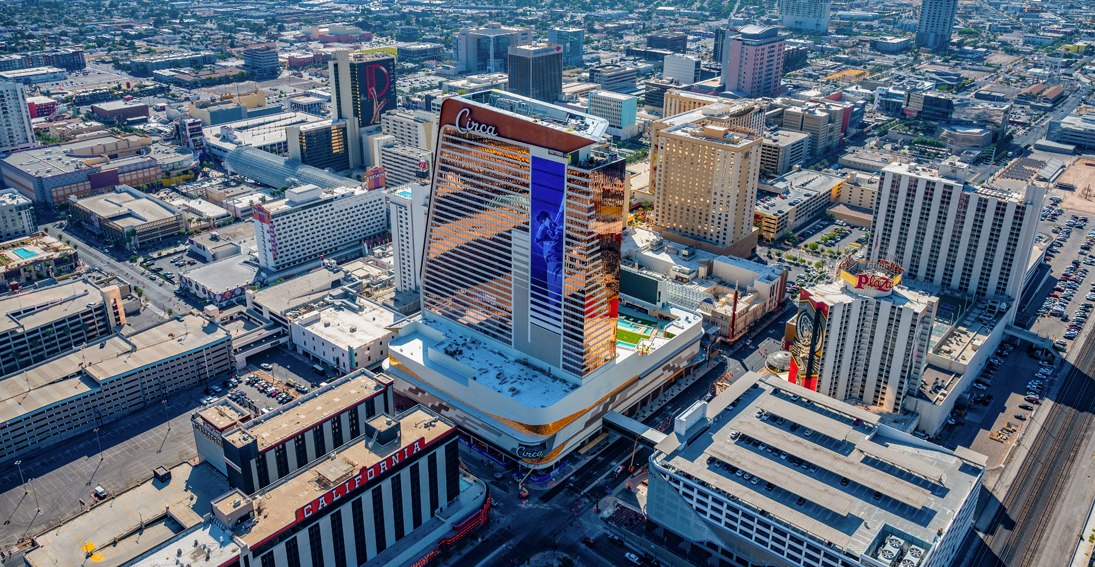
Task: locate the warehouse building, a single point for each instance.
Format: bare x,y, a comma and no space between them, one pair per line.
129,216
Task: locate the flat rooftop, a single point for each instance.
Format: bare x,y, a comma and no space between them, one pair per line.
84,370
205,544
304,289
165,508
961,326
224,275
448,350
223,414
345,326
260,131
921,486
32,309
283,498
304,413
127,209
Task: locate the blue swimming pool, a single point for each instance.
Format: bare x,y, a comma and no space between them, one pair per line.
629,326
24,253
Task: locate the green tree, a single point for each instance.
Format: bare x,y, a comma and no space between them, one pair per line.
170,311
138,292
813,246
819,264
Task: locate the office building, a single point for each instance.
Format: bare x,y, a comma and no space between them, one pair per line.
311,221
310,104
839,488
1073,129
936,23
681,68
572,41
618,109
712,204
323,145
790,201
257,451
821,122
654,97
862,339
804,15
69,59
472,84
16,215
677,42
946,232
262,61
536,71
783,149
416,128
407,206
616,78
15,130
545,357
107,379
486,49
128,217
754,62
722,35
348,334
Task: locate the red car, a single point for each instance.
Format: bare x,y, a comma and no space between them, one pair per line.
589,542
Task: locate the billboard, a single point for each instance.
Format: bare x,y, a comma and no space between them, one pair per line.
375,178
373,82
547,232
806,344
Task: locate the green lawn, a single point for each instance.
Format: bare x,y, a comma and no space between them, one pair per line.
628,336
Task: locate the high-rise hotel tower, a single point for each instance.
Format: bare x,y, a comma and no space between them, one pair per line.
517,340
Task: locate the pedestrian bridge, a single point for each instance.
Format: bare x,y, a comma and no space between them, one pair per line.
632,429
1028,336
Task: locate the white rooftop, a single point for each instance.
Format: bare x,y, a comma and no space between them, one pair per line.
345,327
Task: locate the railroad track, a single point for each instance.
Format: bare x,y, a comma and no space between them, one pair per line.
1044,474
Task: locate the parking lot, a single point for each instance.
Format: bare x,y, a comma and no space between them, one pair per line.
1067,296
990,425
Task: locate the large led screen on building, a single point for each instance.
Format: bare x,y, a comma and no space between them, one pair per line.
375,84
547,233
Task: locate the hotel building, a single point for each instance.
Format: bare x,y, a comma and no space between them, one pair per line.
310,222
517,340
770,473
754,61
946,232
864,338
705,166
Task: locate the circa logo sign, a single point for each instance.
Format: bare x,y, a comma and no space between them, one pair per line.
526,452
465,124
871,281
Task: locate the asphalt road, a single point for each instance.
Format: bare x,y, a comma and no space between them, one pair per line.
1016,533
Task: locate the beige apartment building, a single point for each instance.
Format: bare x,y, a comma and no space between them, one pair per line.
705,169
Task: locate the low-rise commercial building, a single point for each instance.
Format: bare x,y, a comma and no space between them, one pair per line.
108,379
1075,130
120,111
839,487
129,217
34,75
349,334
266,133
144,66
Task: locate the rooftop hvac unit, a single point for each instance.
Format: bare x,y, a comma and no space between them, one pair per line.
887,555
908,562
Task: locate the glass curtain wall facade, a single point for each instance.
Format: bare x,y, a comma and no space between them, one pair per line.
523,236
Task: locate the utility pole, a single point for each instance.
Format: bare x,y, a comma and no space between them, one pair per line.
21,479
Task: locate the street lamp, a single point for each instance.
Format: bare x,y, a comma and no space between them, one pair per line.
21,479
164,402
100,442
35,492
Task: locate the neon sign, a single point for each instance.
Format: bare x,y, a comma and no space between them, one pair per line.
873,281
